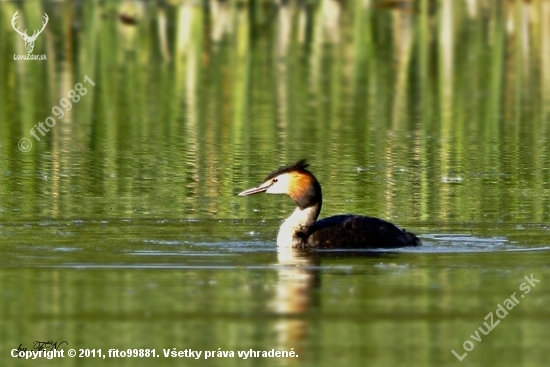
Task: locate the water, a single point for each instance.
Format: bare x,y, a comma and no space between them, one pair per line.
121,227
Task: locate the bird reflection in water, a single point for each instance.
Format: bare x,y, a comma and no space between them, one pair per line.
298,277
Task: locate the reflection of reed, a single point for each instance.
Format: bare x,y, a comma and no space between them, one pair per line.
220,14
186,70
330,20
185,22
163,32
402,36
545,55
130,14
285,23
445,76
403,33
472,6
460,77
446,54
282,105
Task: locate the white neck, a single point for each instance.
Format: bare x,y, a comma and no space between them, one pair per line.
293,231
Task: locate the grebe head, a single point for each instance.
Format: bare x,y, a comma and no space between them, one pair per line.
295,181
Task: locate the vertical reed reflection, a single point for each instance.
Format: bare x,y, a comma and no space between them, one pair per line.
403,107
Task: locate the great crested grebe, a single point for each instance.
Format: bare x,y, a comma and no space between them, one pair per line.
341,231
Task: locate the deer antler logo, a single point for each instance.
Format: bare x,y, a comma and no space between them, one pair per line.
29,40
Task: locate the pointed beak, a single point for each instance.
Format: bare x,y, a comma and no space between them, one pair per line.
254,190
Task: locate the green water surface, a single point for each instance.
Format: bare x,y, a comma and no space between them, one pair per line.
121,229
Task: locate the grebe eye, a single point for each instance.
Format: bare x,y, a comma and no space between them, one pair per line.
274,180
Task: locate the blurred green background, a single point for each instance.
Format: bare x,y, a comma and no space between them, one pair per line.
121,227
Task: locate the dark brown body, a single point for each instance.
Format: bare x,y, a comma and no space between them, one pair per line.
356,232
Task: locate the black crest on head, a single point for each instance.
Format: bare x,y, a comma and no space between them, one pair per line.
301,165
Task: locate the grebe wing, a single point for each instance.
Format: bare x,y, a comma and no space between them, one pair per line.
356,231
